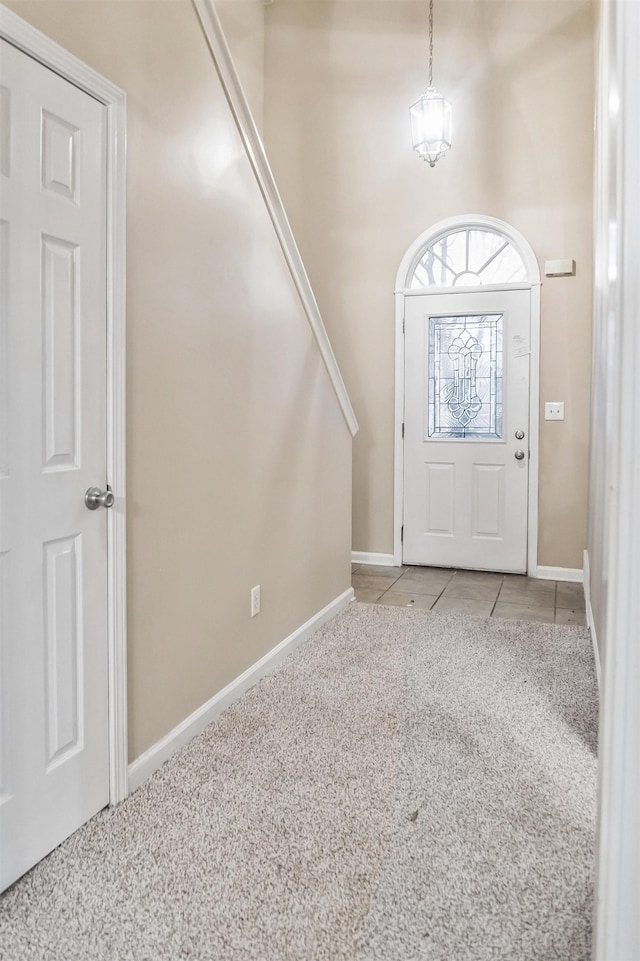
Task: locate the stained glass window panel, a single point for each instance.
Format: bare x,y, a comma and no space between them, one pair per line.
469,258
506,268
452,251
465,376
483,246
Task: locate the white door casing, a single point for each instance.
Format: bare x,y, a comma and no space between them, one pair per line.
465,499
409,286
68,600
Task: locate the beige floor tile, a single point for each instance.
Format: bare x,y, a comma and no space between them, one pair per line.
524,612
523,583
528,598
397,599
478,577
463,605
570,597
367,595
571,585
473,590
355,567
371,581
566,616
423,583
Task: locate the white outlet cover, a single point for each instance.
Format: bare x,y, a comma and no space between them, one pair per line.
255,600
554,410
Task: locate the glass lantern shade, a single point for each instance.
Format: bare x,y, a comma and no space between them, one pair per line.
431,125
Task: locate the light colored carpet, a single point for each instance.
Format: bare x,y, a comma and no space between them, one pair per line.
492,846
405,786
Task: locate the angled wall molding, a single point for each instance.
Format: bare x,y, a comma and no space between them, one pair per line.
245,123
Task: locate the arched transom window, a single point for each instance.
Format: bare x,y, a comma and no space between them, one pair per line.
469,258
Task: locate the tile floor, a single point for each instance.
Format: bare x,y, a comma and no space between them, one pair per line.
470,592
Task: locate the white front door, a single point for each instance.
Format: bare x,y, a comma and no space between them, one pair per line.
466,446
54,766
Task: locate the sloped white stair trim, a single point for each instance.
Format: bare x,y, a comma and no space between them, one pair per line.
258,159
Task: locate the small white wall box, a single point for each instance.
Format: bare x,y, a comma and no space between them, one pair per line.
559,268
554,410
255,600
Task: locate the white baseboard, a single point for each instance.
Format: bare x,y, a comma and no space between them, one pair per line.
364,557
148,762
573,574
589,613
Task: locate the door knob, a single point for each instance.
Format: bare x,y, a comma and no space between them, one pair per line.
519,455
95,498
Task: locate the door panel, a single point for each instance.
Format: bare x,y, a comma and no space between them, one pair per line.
466,395
60,353
487,500
53,644
62,648
439,487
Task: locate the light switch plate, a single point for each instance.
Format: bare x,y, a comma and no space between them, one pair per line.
554,410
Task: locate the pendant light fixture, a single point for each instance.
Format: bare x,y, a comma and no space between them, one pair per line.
431,115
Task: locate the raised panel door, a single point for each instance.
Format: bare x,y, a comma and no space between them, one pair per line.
54,771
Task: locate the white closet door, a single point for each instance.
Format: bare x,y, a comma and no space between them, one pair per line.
54,769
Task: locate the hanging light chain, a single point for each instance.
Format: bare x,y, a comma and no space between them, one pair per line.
431,43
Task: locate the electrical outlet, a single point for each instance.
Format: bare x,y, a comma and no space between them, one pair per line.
255,600
554,410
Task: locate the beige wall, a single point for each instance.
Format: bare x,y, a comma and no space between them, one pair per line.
238,454
339,78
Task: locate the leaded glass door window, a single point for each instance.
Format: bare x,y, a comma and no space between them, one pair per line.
466,428
464,358
469,257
